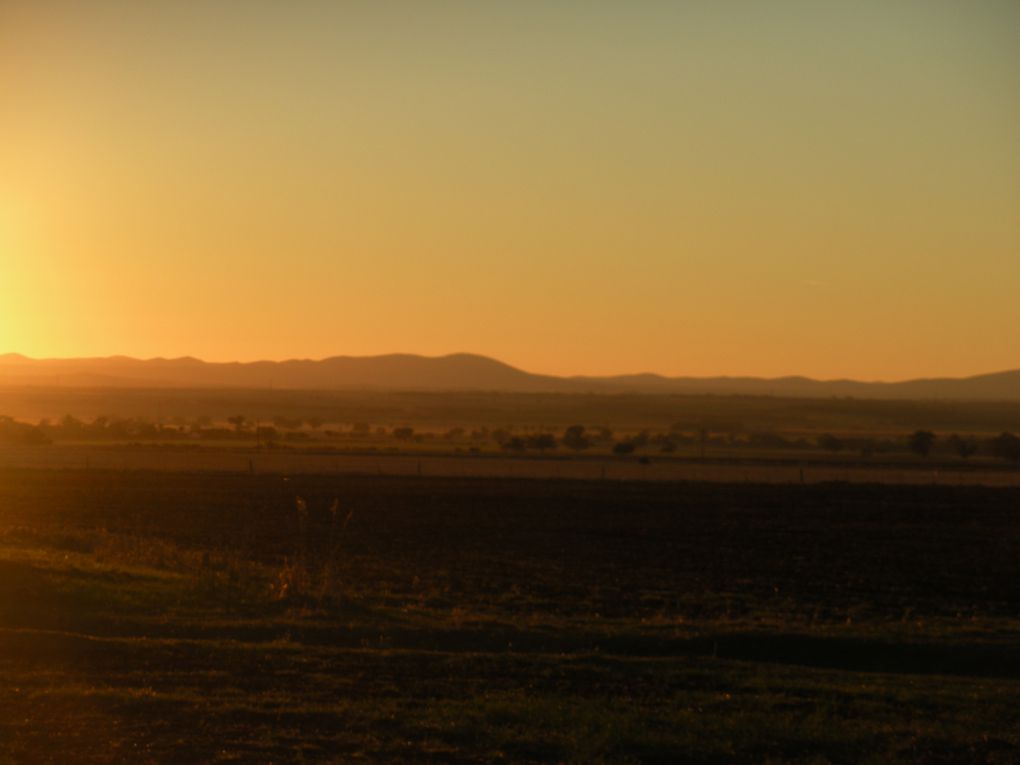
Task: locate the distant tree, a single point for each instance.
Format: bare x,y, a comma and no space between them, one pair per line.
238,421
605,435
964,446
513,444
1006,446
499,435
315,422
403,434
361,428
267,435
574,437
71,423
921,442
830,443
541,441
623,447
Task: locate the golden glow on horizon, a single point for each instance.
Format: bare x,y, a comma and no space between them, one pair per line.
820,189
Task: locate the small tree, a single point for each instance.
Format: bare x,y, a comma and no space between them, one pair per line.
71,424
623,448
499,435
542,441
513,444
921,442
575,438
403,434
965,447
266,434
238,421
1006,446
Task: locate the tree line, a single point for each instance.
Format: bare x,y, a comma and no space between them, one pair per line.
574,438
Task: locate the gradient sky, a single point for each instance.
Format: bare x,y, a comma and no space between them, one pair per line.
821,188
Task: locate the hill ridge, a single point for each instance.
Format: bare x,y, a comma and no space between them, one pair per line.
464,371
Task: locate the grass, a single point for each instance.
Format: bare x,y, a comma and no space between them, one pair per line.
141,620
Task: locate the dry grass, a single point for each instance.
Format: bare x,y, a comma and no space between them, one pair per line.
142,620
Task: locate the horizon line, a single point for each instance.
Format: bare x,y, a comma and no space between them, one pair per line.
493,359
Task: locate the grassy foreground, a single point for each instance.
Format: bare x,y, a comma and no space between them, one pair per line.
152,617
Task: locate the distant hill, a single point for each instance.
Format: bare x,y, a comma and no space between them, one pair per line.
1000,386
461,372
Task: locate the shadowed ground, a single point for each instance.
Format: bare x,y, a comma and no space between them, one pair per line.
155,617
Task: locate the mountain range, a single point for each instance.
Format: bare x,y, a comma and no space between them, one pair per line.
462,372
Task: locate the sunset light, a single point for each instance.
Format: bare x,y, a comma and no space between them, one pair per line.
489,381
572,188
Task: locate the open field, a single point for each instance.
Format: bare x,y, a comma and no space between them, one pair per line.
737,468
200,617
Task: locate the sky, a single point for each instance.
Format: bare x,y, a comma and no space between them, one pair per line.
572,186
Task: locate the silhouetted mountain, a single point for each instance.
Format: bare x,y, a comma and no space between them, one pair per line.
462,372
1000,386
394,371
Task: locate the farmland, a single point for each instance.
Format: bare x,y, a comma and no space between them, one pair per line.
760,467
173,615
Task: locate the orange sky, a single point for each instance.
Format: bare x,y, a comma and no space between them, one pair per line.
830,189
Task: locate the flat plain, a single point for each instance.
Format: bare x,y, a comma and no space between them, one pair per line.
174,616
762,467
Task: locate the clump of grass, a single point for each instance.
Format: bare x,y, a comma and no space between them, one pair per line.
224,575
53,538
311,575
